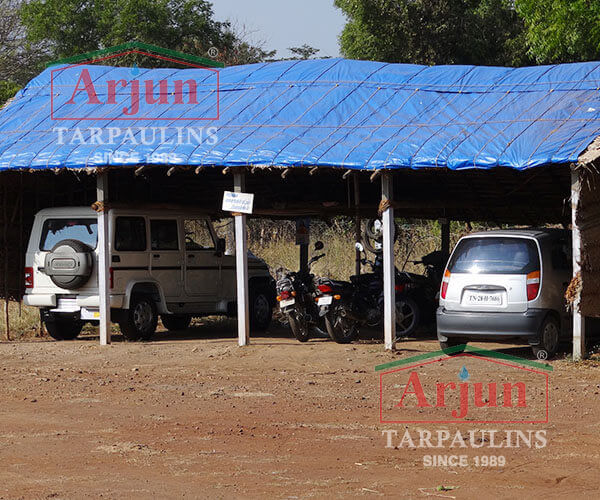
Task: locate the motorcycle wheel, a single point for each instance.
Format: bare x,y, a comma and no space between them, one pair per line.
408,316
299,328
342,330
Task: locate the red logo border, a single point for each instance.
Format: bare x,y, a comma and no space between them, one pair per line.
133,118
457,421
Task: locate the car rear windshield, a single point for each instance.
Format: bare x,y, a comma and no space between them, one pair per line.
55,230
491,255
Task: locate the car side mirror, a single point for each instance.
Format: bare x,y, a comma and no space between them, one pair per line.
319,245
221,246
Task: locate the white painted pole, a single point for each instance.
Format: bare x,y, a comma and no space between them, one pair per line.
241,266
103,258
389,272
579,351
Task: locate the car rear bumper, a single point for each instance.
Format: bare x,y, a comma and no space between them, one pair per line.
489,325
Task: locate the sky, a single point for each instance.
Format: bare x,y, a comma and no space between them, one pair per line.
286,23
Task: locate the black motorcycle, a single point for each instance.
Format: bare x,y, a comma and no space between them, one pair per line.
347,306
296,293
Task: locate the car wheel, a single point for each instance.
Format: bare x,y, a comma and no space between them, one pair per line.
407,317
549,338
261,310
175,322
453,344
63,329
140,319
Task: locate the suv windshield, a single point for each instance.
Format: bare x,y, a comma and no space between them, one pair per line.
55,230
495,255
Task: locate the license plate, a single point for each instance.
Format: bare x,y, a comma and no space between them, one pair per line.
87,313
285,303
483,299
325,300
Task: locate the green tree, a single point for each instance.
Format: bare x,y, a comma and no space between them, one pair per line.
562,30
433,31
71,27
305,51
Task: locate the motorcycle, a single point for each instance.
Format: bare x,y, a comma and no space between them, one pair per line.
347,307
296,294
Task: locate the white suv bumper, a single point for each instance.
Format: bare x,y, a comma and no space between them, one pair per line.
70,305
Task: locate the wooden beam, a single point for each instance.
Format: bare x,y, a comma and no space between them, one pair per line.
241,265
103,258
579,351
389,270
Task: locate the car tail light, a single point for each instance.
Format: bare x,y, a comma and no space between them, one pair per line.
533,285
29,277
445,282
325,288
111,277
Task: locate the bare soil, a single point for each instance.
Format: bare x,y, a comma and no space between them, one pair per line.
193,415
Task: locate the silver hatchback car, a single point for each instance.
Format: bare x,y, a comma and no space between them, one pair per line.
507,284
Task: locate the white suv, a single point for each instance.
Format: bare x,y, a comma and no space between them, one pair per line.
163,262
507,284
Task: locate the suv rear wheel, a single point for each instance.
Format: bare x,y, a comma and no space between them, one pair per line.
261,310
140,320
63,329
549,338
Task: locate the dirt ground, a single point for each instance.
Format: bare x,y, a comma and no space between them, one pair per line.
193,415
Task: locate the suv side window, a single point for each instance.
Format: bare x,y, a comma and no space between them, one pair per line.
130,234
198,235
163,235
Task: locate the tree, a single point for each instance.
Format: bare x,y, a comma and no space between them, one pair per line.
19,59
304,52
562,30
433,31
71,27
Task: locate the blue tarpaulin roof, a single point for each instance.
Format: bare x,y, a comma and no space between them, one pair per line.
331,113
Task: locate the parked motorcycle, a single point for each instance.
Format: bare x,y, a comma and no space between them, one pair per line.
348,306
296,294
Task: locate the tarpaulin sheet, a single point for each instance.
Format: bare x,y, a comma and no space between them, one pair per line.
330,113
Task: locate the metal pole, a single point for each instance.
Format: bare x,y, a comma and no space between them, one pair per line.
389,271
579,351
103,258
241,265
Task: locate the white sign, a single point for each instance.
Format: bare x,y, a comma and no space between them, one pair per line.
238,202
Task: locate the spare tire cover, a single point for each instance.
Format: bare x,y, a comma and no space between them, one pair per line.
69,264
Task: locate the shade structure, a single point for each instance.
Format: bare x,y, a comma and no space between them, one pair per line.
330,113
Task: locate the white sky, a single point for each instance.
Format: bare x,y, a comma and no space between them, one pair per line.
286,23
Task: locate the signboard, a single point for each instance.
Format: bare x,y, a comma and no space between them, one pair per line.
238,202
302,231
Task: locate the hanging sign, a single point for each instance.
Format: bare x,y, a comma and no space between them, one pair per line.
238,202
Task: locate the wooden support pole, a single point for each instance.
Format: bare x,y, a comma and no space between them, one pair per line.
389,270
241,266
103,258
579,351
